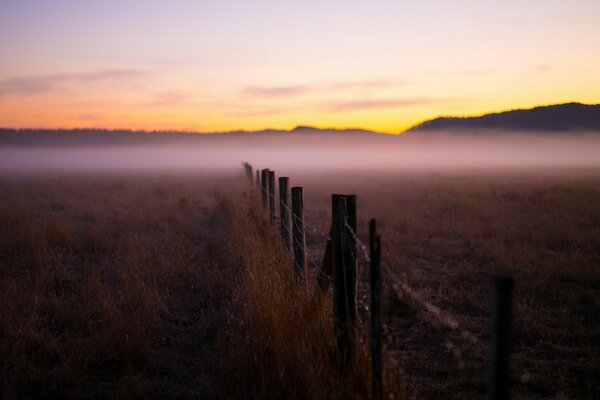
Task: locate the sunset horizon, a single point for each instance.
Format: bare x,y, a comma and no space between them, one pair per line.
293,126
299,199
202,67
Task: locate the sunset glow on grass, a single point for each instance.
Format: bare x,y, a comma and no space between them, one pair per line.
218,66
299,199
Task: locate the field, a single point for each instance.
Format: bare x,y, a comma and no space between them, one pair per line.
173,285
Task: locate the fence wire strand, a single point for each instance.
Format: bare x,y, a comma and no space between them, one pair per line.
401,288
311,260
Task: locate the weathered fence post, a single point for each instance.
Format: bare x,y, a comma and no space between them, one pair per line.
298,234
249,173
375,277
284,211
324,276
264,173
501,321
272,197
344,273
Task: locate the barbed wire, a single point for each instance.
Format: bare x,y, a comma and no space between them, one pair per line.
287,248
308,256
306,225
310,259
359,243
401,288
442,317
312,228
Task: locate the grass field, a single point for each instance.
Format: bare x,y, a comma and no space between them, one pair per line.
447,233
173,285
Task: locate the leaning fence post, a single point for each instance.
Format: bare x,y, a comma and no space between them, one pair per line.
326,272
350,263
249,172
298,234
264,173
284,211
344,274
272,197
501,321
375,275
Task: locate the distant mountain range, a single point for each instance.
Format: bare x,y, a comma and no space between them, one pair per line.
559,117
104,137
555,118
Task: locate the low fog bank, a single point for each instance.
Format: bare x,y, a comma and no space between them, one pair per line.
320,150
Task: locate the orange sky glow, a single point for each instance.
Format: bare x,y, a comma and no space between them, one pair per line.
218,66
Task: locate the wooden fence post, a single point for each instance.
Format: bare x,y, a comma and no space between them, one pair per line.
298,234
257,178
249,173
284,211
375,275
501,321
272,197
344,274
264,173
326,272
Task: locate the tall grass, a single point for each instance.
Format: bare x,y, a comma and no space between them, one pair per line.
280,335
176,286
157,287
103,290
446,233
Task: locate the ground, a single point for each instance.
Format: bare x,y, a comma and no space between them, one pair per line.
173,285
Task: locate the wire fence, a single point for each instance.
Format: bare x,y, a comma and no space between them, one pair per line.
313,263
434,313
394,283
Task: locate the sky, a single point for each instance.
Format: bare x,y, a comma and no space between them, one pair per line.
225,65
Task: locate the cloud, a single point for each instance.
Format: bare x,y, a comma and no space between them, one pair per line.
258,112
89,117
481,71
382,103
541,69
39,84
296,90
168,98
276,91
367,84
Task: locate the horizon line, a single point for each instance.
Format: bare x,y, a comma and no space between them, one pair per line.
299,126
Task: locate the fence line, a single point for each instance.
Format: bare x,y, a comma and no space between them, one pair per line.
349,246
312,261
401,288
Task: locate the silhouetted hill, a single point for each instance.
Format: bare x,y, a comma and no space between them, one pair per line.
311,129
560,117
101,137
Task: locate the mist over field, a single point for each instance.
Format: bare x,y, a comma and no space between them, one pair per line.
256,200
312,151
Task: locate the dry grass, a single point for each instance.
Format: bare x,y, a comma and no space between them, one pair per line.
287,323
447,234
156,287
104,287
175,286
